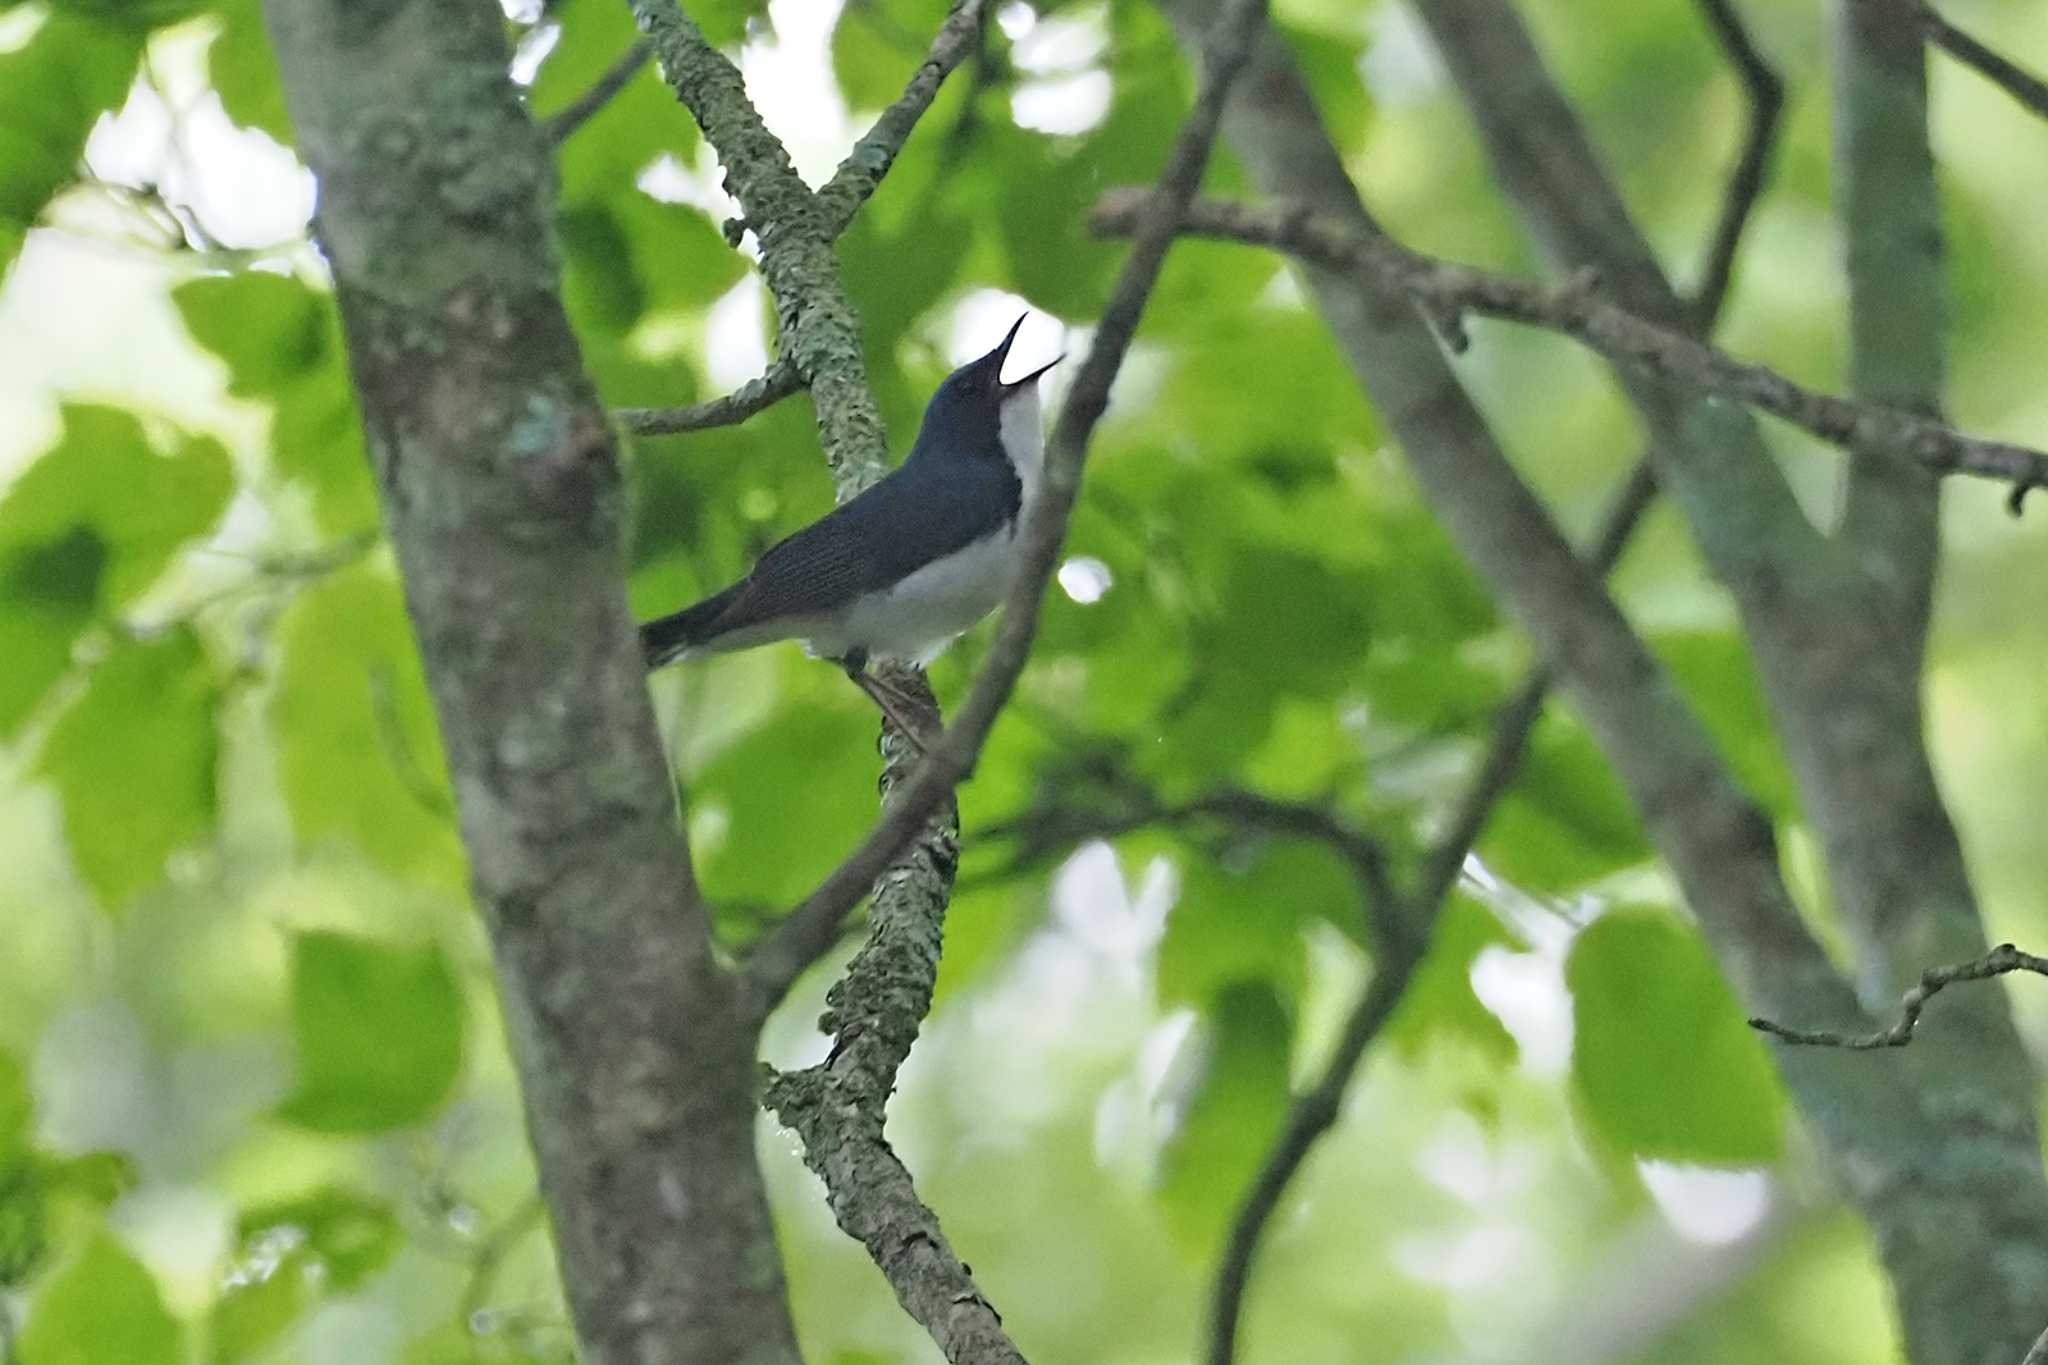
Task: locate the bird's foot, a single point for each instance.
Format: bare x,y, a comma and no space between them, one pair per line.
911,717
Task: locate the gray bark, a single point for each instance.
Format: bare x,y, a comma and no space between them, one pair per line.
1934,1152
500,489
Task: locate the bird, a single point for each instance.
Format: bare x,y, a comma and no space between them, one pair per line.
901,570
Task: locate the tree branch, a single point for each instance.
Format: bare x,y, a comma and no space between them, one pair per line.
780,381
561,125
2023,85
1999,961
862,170
1444,291
1765,96
1890,219
2038,1354
814,923
838,1108
835,206
820,334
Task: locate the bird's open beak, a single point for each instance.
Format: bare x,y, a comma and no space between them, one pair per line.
1017,386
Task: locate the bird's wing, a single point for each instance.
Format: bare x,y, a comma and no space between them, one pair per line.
874,541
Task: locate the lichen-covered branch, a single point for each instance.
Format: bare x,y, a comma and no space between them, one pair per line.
837,1108
1579,309
1998,962
862,170
819,332
500,489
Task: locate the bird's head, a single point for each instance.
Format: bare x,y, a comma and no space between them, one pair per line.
975,412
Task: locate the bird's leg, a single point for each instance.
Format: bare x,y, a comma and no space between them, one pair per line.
897,707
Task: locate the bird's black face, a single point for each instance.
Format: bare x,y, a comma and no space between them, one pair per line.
965,415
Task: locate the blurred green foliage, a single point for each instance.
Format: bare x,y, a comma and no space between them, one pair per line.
254,1104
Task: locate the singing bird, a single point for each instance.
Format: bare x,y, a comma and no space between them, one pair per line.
899,571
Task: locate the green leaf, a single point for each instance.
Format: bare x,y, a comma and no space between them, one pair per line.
1713,669
281,341
1240,919
49,592
17,1110
636,126
1237,1102
332,1239
1662,1061
379,1033
84,531
102,1307
1439,1004
52,91
353,1235
243,71
358,753
1564,821
867,62
796,792
24,1224
264,1297
133,760
268,328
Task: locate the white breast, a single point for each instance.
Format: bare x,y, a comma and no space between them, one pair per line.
927,611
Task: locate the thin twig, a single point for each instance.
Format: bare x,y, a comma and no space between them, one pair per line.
558,127
813,925
491,1253
1999,961
2023,85
2038,1355
1132,808
869,160
1577,309
1766,96
779,382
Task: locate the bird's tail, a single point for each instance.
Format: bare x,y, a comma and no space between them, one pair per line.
668,638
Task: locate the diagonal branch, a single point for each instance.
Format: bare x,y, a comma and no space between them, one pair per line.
838,1108
2038,1353
1444,290
560,126
1998,962
2023,85
862,170
815,921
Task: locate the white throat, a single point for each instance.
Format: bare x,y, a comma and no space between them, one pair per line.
1023,442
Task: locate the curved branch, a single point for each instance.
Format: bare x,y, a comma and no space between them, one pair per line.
1765,92
1999,961
1444,291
